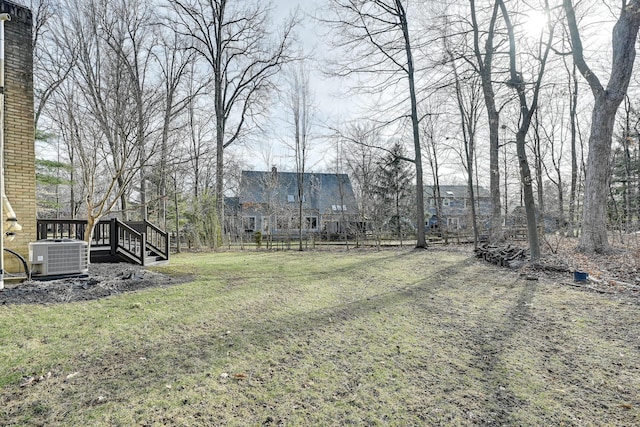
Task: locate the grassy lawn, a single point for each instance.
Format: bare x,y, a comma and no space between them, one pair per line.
329,339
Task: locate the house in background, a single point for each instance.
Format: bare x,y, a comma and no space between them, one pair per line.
232,216
455,206
268,202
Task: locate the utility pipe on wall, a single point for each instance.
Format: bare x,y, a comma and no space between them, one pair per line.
3,17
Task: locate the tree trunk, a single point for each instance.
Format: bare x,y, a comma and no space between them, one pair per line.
485,70
300,200
538,167
177,208
529,199
606,103
594,211
162,211
421,240
526,115
470,152
220,134
123,200
573,105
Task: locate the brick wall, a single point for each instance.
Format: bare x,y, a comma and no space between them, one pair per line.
20,177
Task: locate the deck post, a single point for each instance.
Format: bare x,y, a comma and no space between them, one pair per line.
166,245
143,249
113,236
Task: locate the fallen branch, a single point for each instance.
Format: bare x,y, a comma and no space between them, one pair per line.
612,282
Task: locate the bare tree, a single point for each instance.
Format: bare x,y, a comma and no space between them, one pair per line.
100,179
299,101
106,81
106,104
235,40
483,65
200,156
130,37
606,102
376,35
469,100
175,62
360,156
573,120
51,66
433,157
527,110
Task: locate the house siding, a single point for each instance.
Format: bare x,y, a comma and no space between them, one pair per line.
20,176
271,198
456,205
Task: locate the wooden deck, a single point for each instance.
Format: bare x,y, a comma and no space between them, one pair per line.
113,240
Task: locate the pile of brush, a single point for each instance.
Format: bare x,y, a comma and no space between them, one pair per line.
506,256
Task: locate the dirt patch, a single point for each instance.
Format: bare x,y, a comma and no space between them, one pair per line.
102,281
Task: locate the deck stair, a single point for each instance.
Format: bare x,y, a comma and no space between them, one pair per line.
113,240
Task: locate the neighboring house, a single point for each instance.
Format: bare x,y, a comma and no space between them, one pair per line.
551,222
232,216
455,207
268,203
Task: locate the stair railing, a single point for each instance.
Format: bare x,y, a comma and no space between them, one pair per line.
128,240
157,240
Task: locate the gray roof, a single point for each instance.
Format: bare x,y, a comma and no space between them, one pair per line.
322,191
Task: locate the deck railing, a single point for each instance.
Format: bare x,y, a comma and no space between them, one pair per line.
130,240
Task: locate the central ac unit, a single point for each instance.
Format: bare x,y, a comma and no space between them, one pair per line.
58,257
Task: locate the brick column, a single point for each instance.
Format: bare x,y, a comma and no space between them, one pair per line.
20,176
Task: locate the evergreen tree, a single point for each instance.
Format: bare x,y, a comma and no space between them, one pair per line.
394,190
54,179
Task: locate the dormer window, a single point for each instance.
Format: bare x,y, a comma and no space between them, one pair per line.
291,198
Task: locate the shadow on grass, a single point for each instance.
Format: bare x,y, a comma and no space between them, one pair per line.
199,350
490,343
195,350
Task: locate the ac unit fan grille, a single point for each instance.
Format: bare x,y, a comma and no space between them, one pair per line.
65,258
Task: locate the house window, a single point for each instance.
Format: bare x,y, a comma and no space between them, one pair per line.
339,208
249,223
291,198
446,202
453,223
311,222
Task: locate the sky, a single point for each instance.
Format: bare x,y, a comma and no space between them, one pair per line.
329,101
